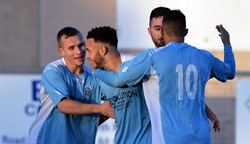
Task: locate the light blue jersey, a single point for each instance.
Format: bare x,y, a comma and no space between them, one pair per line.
52,126
177,74
132,117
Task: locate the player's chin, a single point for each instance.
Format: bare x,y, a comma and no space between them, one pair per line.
95,66
80,61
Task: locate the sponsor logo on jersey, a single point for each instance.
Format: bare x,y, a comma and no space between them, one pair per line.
123,95
123,100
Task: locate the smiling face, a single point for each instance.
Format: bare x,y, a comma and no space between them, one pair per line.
155,31
73,50
94,53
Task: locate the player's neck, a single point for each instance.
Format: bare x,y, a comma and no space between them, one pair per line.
77,70
169,39
113,62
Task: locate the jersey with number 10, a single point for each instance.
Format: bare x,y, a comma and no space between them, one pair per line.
174,85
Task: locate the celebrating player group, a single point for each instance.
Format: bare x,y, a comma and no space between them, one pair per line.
155,97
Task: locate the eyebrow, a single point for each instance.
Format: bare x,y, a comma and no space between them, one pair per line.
80,44
70,46
156,26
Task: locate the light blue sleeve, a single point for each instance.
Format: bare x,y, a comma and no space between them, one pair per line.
54,84
224,70
130,73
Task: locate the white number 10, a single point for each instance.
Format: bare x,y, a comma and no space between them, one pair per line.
190,68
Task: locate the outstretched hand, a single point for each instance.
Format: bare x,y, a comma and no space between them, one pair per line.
107,110
223,34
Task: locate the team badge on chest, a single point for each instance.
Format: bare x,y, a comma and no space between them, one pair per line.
87,91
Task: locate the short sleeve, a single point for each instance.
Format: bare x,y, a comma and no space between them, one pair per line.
54,84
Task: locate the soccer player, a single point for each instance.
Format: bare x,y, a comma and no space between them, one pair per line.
132,117
178,73
155,25
154,30
70,97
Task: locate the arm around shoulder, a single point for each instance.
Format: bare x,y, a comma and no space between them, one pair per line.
68,106
130,73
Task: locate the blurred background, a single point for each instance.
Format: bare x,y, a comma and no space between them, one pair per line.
28,30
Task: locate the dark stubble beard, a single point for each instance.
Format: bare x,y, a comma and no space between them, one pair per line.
158,44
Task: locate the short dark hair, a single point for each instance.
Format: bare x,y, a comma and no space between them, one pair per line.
68,32
104,34
157,12
174,23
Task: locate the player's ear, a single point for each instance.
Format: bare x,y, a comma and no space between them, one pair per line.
61,51
104,50
186,32
149,31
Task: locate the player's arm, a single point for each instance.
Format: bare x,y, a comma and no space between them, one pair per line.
57,89
213,118
68,106
130,73
224,70
225,38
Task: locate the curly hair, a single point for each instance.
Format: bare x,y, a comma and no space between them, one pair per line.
104,34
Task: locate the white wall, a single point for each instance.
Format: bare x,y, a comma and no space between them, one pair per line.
243,111
132,20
